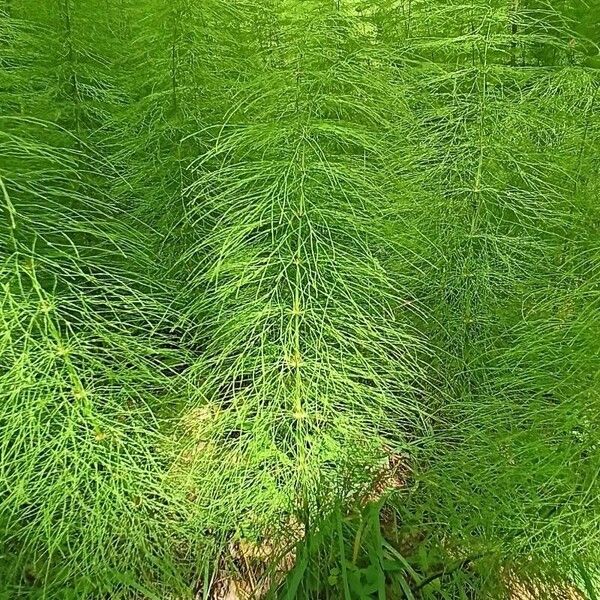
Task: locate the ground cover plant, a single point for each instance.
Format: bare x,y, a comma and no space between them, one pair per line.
299,299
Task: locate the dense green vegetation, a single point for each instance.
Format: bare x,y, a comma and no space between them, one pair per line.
299,298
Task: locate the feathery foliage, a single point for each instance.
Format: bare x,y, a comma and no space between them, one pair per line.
299,298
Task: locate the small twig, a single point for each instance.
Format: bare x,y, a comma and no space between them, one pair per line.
446,571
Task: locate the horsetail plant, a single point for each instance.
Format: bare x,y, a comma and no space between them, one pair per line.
299,299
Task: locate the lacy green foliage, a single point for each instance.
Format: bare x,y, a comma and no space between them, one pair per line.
254,252
516,262
81,475
80,362
307,351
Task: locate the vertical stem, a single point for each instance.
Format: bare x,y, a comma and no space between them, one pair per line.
514,32
73,83
12,216
174,59
125,19
473,44
473,252
297,301
588,111
482,75
174,75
